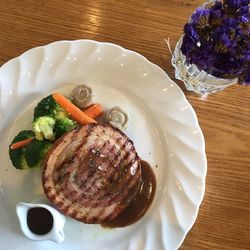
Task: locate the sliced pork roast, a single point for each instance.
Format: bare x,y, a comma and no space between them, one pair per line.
92,173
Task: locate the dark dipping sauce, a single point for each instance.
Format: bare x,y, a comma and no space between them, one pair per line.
140,204
39,220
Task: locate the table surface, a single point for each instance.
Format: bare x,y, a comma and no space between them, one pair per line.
224,217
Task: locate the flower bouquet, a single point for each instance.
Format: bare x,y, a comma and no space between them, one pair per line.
214,51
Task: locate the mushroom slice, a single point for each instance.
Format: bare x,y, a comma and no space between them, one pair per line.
117,118
82,96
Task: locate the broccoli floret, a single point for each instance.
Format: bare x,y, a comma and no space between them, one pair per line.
51,120
43,127
22,135
31,155
36,151
64,125
17,155
24,163
48,107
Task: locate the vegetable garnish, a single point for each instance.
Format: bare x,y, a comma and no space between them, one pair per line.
94,110
82,96
36,151
117,118
74,111
30,155
21,144
50,120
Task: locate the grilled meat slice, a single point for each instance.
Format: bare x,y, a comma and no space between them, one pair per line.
92,173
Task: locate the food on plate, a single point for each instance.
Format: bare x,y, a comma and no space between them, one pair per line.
82,96
64,125
30,155
140,203
39,220
54,116
21,144
77,114
92,173
43,127
117,118
36,151
50,117
94,110
91,170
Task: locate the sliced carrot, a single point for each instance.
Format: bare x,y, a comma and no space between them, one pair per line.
73,110
94,110
21,144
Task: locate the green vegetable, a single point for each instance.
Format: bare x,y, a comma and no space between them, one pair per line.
48,107
51,120
36,152
63,126
17,155
43,127
31,155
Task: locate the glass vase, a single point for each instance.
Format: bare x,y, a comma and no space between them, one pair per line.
194,79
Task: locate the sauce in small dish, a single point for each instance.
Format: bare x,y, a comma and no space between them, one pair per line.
40,222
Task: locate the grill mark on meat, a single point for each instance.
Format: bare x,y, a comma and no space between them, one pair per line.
120,199
47,189
126,185
66,209
97,176
72,158
60,203
82,185
68,160
88,190
77,154
126,199
115,183
66,177
111,189
57,143
118,185
116,160
122,160
73,137
110,180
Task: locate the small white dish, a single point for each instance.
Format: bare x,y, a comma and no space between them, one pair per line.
55,234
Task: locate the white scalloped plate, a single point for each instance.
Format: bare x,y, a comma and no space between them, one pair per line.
163,126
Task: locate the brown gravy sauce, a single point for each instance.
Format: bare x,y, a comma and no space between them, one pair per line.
140,204
39,220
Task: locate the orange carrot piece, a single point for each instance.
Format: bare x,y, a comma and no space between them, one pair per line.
94,110
73,110
21,144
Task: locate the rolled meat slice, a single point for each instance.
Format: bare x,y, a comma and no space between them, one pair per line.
92,173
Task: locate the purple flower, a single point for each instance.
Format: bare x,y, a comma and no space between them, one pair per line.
217,39
236,3
245,77
192,33
200,18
